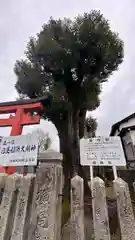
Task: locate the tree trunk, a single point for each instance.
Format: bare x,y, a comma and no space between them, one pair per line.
67,161
68,130
76,152
82,117
75,140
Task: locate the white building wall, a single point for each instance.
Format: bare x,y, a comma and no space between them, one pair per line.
128,141
132,133
116,133
130,122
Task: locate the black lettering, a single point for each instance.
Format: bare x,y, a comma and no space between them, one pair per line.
12,149
17,149
4,143
12,142
28,148
23,149
33,147
8,150
3,151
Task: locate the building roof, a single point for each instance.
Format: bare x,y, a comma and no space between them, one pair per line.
116,125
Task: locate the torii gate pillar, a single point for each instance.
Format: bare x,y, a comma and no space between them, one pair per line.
21,115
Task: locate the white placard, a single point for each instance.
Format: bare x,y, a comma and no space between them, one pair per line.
19,150
102,151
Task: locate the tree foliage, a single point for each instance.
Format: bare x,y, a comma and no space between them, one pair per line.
44,140
70,59
90,126
80,54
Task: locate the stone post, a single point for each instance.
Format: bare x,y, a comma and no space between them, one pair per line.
7,207
77,209
2,185
125,211
44,224
59,187
100,212
19,226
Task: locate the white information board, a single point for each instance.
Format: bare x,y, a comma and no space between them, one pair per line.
102,151
19,150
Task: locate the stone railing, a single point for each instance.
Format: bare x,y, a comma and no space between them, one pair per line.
30,206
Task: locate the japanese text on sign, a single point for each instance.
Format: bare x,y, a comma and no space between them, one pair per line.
102,151
19,150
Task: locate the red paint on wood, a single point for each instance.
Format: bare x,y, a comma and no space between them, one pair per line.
32,107
22,118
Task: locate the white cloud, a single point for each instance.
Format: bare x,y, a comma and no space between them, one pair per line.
21,19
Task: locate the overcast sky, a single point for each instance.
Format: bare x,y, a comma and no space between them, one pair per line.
21,19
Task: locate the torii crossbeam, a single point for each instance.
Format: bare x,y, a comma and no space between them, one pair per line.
21,115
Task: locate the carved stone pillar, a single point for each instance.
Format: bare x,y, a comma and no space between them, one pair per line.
45,219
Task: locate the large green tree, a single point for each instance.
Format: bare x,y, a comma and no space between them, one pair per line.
70,59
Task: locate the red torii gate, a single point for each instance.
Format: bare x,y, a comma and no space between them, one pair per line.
22,110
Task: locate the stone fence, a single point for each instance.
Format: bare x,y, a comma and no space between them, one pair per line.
30,206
